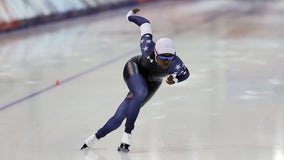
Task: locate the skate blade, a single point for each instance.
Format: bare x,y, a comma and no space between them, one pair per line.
84,147
122,149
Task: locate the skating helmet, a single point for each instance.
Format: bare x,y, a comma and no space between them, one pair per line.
165,45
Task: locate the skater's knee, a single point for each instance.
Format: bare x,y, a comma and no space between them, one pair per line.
141,93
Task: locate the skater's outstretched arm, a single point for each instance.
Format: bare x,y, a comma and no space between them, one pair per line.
142,22
147,44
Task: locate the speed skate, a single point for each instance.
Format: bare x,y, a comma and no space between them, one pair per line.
125,142
123,147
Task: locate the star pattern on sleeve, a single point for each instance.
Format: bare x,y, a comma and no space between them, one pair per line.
177,67
184,72
180,69
147,47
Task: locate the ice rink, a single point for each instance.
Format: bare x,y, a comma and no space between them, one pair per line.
60,82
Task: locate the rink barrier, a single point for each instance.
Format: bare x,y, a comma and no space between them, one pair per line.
22,14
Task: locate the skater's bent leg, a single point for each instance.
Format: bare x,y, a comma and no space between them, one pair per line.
133,112
138,86
130,70
115,121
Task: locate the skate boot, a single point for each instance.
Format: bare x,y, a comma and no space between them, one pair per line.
90,142
125,142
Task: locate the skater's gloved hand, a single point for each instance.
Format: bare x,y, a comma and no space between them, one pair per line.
132,12
135,10
171,80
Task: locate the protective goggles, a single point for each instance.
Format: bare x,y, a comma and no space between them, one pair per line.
166,58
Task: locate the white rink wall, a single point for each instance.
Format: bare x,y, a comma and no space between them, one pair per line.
16,14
